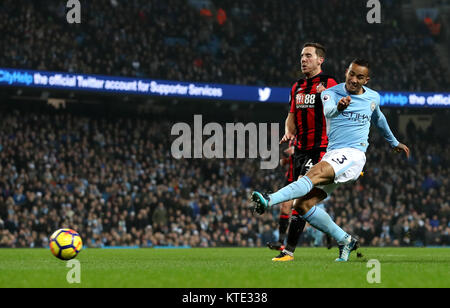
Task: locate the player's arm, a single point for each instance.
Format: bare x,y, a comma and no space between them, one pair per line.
380,121
331,107
289,128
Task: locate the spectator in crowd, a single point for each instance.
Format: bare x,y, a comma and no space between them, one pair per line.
159,216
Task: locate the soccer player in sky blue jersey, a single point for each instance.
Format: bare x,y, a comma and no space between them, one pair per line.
349,108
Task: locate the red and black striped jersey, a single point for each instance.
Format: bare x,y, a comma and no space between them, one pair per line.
307,107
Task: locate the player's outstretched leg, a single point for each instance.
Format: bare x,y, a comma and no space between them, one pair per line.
322,173
294,190
320,220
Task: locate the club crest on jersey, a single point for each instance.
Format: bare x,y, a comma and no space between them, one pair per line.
320,87
372,106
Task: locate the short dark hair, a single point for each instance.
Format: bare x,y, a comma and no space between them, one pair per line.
361,62
320,49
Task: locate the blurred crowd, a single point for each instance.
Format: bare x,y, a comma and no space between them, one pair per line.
114,180
223,41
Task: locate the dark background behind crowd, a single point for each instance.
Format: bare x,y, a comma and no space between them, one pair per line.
106,169
228,41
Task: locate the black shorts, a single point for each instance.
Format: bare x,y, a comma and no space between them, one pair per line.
287,182
304,160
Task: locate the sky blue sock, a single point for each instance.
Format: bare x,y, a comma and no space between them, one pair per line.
294,190
320,220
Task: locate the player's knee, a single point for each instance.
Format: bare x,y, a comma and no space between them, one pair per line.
321,173
314,175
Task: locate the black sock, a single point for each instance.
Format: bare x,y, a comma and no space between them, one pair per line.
295,230
283,224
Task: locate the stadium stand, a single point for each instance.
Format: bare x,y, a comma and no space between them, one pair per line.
237,42
113,179
110,175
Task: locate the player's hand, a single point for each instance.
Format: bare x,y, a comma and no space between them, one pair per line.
402,148
289,151
288,136
320,88
343,103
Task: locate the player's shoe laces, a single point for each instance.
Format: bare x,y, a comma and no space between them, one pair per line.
260,201
345,250
283,257
275,246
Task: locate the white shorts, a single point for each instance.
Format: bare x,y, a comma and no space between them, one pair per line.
347,164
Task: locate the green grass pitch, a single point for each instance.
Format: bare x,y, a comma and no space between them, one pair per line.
226,268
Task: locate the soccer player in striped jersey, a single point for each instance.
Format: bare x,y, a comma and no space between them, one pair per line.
350,108
306,127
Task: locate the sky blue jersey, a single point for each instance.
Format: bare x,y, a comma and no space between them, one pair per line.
350,128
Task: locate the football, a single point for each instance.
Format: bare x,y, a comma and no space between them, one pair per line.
65,244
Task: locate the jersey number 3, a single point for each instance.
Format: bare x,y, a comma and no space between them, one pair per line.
340,161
